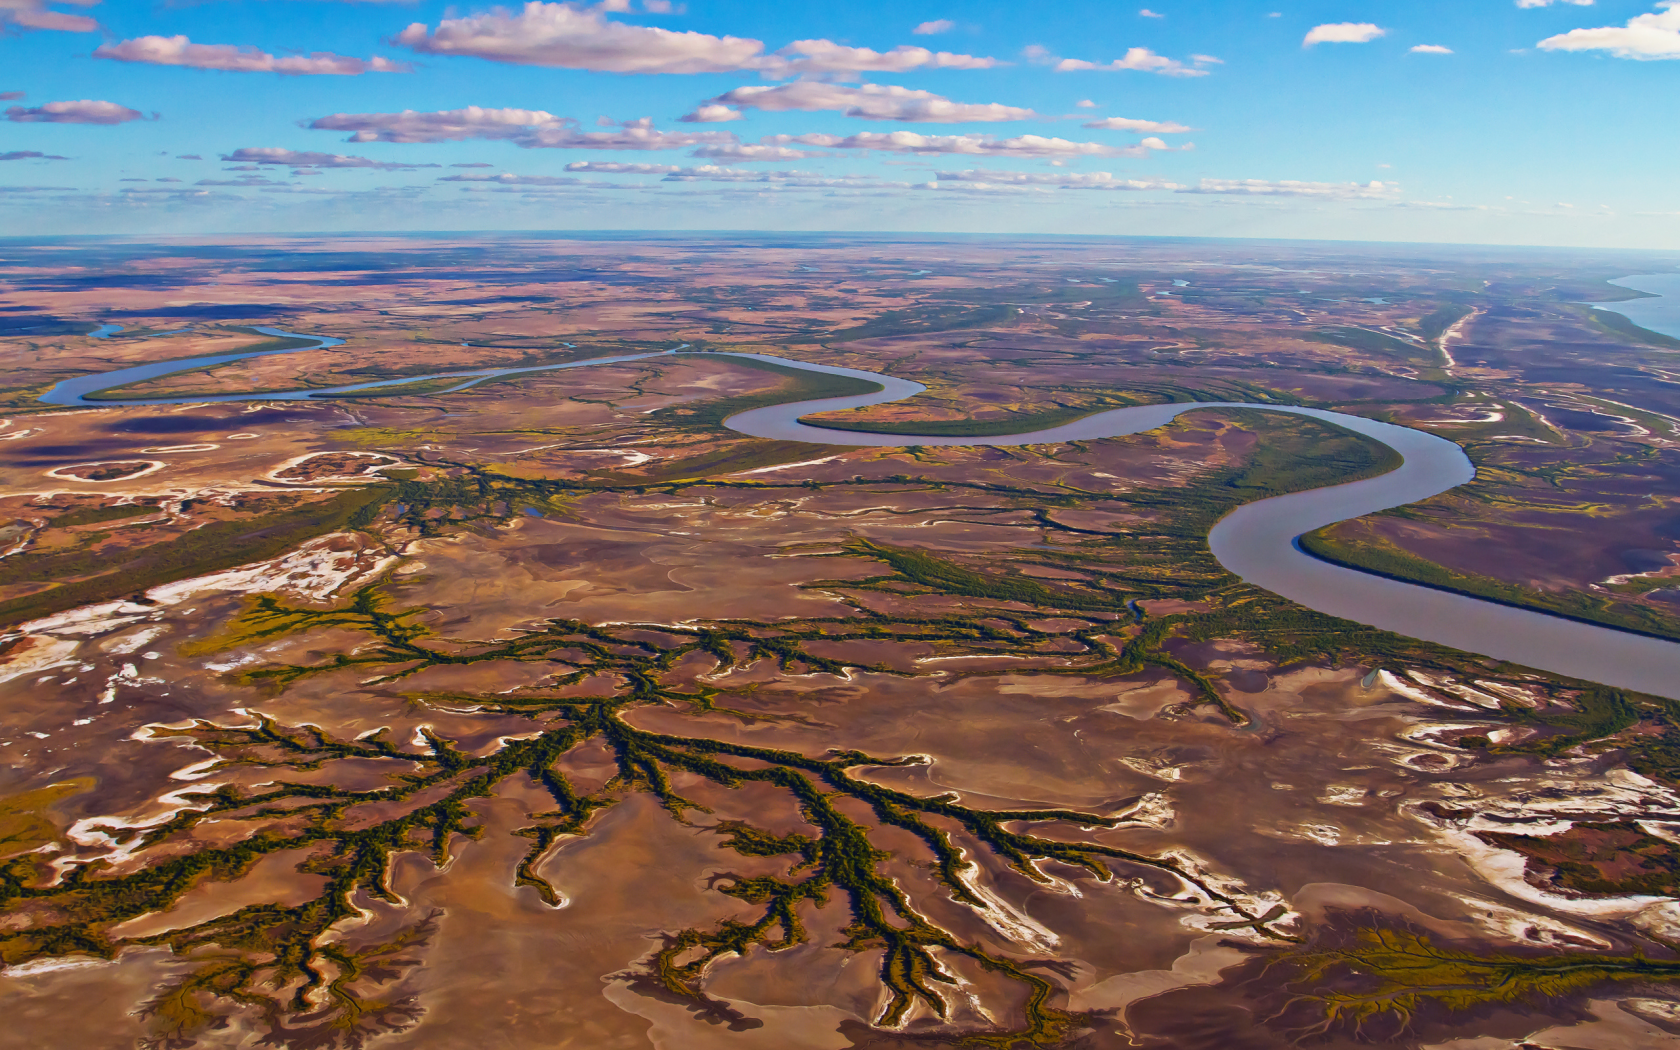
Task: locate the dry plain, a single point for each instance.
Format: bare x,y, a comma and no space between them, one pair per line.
551,712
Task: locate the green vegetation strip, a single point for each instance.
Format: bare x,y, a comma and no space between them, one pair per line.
212,548
1623,327
307,989
798,384
94,515
730,459
1373,343
1015,423
1435,323
1382,558
1374,981
921,320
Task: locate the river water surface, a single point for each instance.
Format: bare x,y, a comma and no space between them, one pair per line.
1659,315
1256,542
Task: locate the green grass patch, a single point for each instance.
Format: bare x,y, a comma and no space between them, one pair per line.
743,455
1372,343
1435,323
1015,423
217,546
91,515
1622,327
798,384
1288,459
918,320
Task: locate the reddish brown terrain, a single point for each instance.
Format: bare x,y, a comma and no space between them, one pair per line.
552,712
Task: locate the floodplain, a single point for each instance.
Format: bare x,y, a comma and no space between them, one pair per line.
553,712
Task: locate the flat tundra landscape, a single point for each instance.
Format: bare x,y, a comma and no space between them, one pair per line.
406,651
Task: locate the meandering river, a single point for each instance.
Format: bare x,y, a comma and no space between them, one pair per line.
1256,542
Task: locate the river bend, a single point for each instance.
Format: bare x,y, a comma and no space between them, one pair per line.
1255,542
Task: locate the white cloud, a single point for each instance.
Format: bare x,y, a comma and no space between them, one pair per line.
451,125
1147,13
83,111
1086,103
1292,188
711,113
1549,3
570,36
292,158
35,14
825,56
1649,36
613,167
508,179
869,101
527,128
1159,127
714,173
1431,49
975,145
179,51
1136,59
1095,180
630,135
987,189
1343,33
938,25
745,151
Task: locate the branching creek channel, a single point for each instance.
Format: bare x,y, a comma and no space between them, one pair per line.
303,970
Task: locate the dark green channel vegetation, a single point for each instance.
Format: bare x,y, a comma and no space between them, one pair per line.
308,990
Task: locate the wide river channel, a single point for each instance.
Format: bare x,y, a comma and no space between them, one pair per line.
1256,542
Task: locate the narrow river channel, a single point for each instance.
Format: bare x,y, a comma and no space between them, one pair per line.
1256,542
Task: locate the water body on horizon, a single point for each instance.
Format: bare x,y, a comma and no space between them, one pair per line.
1661,315
1256,542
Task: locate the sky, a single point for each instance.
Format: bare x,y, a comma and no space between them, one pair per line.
1529,122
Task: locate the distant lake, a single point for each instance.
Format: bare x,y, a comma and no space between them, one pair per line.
1659,315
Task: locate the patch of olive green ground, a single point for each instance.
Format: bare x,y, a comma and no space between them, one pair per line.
1375,982
1502,488
24,824
797,384
212,548
266,946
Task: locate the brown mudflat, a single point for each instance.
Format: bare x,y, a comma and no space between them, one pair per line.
553,713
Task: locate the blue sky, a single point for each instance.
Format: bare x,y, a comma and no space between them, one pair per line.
1481,121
